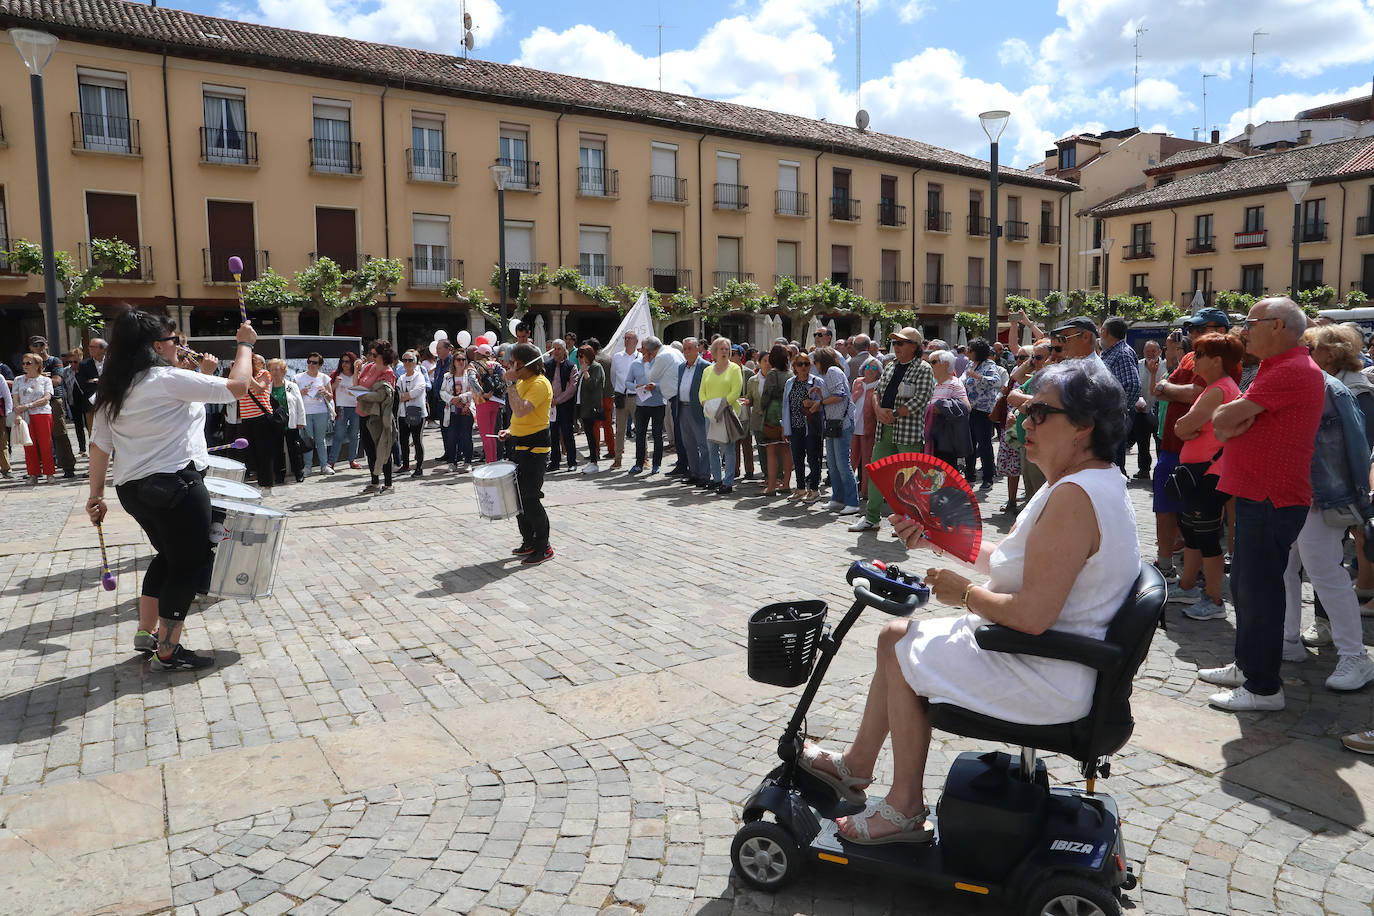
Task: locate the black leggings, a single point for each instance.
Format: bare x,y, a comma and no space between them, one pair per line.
805,446
529,480
181,539
370,451
264,442
409,432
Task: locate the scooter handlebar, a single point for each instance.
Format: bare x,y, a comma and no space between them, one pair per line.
886,605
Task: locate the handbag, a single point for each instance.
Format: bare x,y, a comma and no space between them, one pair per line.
1187,481
22,436
833,429
998,414
278,414
306,440
597,415
734,427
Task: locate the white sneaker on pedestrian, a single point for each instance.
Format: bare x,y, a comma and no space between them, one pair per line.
1294,651
590,468
848,510
834,505
1352,672
1225,676
1242,700
329,470
863,524
1184,595
1318,634
1205,609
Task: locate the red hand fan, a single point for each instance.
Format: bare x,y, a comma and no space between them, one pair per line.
934,494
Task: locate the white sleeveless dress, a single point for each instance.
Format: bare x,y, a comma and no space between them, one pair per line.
941,660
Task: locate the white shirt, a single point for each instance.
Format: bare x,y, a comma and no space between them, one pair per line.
27,390
412,388
99,367
620,371
312,390
161,427
342,396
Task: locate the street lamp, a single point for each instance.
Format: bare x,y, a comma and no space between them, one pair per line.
37,48
501,174
1298,189
1106,274
994,122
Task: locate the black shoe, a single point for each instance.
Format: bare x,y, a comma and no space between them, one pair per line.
403,468
69,474
182,659
300,478
523,550
706,485
722,490
677,472
537,557
418,473
550,468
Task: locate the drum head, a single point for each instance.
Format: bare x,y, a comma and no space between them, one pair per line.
495,469
229,505
228,464
232,489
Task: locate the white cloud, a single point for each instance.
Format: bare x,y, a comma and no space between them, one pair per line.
428,24
912,10
1015,51
1285,106
1157,94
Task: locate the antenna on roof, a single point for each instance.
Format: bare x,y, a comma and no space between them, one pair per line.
1205,122
858,55
660,27
467,31
1250,111
1139,30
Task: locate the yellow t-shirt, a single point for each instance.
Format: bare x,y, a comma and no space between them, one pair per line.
538,392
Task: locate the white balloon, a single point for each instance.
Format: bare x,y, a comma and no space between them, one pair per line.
490,337
440,335
464,339
512,324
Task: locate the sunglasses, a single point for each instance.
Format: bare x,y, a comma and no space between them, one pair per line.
407,359
1058,349
1039,359
800,365
166,339
460,359
1039,413
314,362
1021,357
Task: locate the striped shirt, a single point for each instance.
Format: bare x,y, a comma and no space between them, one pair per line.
247,408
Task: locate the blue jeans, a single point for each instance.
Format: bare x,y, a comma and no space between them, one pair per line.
1264,540
691,423
317,424
345,430
719,453
458,438
843,487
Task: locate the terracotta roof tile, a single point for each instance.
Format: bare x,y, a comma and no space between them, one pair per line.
144,27
1199,154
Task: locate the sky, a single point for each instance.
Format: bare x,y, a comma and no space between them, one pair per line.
928,66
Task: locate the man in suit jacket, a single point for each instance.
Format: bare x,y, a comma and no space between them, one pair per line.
691,419
87,378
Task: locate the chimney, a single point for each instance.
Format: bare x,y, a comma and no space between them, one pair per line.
1216,137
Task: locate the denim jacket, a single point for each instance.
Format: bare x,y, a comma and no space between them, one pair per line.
1340,461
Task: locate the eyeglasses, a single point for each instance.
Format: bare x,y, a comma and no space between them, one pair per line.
166,339
1039,413
1040,358
460,359
1251,322
314,362
407,359
1021,357
1058,349
800,365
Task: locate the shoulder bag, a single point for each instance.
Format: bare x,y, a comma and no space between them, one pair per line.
279,415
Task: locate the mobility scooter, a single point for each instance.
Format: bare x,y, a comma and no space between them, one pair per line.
1001,831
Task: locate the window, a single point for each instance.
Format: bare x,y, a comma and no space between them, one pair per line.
591,167
791,202
1252,279
975,204
105,123
1254,219
887,201
727,260
663,183
593,247
842,206
730,194
840,266
890,286
1310,274
336,236
1314,221
1202,235
113,216
1141,246
1046,213
663,250
1068,157
232,233
1013,285
333,142
1202,280
1013,208
1095,272
935,217
936,291
515,152
1046,281
520,245
1140,285
1097,233
427,148
789,259
975,293
430,235
4,234
226,120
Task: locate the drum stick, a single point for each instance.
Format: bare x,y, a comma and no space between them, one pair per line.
237,443
107,579
236,268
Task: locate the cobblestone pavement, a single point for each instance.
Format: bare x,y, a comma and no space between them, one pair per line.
413,722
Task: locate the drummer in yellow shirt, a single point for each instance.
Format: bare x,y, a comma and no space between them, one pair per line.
530,394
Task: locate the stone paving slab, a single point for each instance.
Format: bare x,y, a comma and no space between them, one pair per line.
243,781
1203,738
1320,777
634,701
128,881
394,751
73,819
506,728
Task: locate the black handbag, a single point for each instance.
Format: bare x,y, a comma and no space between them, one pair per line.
597,414
834,429
280,416
1187,482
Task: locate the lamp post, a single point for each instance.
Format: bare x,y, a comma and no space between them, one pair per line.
1106,275
1298,189
994,122
501,174
36,48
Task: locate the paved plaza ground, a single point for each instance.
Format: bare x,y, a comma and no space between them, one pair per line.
415,723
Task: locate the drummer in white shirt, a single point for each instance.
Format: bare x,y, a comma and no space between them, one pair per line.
150,418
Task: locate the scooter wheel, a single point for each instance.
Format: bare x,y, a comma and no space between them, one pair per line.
1071,895
765,856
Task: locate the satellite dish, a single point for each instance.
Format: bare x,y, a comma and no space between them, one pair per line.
467,40
861,119
467,20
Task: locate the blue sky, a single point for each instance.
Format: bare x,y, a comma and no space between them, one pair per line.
929,66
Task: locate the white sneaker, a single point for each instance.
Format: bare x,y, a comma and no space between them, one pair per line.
834,505
1205,609
1352,672
1226,676
863,524
1294,651
1184,595
590,468
1242,700
1318,634
848,510
329,470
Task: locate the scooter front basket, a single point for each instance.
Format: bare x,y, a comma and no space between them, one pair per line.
783,641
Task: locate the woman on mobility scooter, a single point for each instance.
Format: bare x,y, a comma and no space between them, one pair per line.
1068,563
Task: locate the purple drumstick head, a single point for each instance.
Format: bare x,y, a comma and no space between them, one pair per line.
240,443
236,265
108,581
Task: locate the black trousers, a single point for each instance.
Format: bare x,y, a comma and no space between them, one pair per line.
409,433
529,480
181,540
1142,433
980,426
264,444
370,451
646,417
561,431
293,454
807,446
79,421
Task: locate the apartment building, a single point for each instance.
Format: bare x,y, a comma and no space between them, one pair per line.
1227,222
195,138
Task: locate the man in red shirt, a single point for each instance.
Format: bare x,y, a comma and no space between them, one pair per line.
1269,435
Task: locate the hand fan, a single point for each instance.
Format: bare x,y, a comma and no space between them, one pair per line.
934,494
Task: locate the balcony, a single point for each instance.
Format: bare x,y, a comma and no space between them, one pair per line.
724,277
731,196
216,264
1014,291
1362,223
799,279
5,269
432,273
143,264
939,294
898,291
980,226
98,133
847,282
668,280
609,275
598,183
432,165
1042,292
526,267
524,174
1314,230
977,295
1203,244
667,189
891,213
1251,238
791,203
937,220
1017,230
350,261
845,209
335,157
228,147
1142,292
1138,251
1049,235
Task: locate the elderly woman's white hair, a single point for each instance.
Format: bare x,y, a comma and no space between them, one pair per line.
945,358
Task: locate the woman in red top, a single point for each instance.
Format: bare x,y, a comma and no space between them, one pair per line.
381,357
264,439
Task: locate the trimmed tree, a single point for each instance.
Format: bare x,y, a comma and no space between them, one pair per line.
107,256
322,285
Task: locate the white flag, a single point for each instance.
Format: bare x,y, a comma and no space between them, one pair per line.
638,319
1197,304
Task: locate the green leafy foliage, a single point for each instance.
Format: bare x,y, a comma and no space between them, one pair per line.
619,297
332,291
975,324
107,256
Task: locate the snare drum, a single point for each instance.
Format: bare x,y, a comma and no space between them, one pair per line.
246,560
497,495
227,468
223,488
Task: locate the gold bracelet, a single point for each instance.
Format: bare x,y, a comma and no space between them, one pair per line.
964,600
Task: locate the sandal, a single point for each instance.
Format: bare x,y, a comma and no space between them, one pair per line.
915,829
849,786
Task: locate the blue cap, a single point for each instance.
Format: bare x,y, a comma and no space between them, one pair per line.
1208,316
